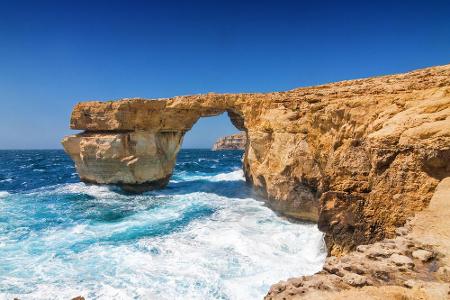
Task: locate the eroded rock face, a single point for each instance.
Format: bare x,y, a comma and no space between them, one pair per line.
357,156
413,265
231,142
136,160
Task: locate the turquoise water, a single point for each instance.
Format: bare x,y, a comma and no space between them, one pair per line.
203,237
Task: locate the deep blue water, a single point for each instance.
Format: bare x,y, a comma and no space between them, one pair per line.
202,237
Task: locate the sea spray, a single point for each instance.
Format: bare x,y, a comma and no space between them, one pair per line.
203,237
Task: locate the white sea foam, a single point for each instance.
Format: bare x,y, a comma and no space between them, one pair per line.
208,159
237,175
191,245
98,191
79,229
237,252
232,176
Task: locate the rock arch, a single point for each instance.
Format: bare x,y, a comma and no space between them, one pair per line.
133,143
358,157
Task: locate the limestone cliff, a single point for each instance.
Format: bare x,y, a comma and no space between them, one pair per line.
235,141
413,265
359,156
136,160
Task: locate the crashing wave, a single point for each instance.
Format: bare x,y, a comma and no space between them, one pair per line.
237,175
4,194
232,176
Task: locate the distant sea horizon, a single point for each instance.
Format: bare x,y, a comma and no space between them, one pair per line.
40,149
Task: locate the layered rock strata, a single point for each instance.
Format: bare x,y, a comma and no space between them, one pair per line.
231,142
135,160
359,157
413,265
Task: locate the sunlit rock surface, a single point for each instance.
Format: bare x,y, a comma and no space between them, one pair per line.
136,160
231,142
358,156
413,265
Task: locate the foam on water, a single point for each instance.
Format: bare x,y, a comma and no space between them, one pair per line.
201,239
230,176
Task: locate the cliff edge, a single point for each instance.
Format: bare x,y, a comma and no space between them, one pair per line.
235,141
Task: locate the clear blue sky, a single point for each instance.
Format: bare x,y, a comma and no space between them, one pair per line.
54,54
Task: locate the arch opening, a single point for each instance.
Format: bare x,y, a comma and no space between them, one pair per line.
207,130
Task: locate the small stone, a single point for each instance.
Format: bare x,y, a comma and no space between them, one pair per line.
401,260
355,279
78,298
422,255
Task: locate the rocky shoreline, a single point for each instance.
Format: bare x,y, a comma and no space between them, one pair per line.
359,157
413,265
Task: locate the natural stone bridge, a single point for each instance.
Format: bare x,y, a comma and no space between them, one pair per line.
357,156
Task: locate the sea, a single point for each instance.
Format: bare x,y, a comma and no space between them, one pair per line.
205,236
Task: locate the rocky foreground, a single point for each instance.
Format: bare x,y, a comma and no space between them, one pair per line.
359,157
415,264
231,142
